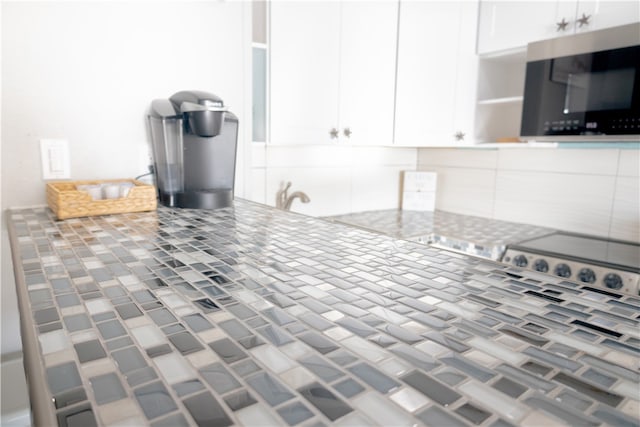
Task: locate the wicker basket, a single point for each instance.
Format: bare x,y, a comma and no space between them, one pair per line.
67,202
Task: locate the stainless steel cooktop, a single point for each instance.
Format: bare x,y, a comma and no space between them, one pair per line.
468,234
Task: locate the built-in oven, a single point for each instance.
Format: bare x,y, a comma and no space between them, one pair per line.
596,262
585,85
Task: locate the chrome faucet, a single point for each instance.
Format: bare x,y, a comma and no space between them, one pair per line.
284,201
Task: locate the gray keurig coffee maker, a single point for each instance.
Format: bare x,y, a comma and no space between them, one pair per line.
194,139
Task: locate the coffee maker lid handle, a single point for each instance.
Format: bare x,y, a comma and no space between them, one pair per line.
163,108
187,107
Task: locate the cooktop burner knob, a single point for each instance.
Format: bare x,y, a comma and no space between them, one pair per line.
612,281
520,261
541,266
587,275
562,270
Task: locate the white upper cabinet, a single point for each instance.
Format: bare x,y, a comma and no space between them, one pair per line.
605,14
368,71
332,72
436,76
512,24
304,73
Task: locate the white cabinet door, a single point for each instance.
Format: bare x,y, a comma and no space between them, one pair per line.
333,67
430,39
509,24
512,24
466,74
605,14
304,73
367,71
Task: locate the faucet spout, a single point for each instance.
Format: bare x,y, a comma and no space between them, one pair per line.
298,194
281,196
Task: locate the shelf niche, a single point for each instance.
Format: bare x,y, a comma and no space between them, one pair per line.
500,88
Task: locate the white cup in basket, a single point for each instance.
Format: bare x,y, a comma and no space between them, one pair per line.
95,191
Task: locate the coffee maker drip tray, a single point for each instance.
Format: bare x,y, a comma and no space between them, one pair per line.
199,199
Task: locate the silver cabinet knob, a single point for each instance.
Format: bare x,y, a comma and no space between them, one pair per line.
333,133
562,25
459,136
584,20
347,132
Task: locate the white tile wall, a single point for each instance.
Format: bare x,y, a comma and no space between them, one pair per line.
375,187
328,188
337,178
258,185
465,190
572,202
460,158
592,191
626,209
578,161
629,163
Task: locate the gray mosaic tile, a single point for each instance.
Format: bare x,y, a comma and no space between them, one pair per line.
271,390
587,389
509,387
219,378
107,388
473,413
89,350
321,368
206,410
76,416
374,377
295,413
228,350
239,400
68,398
348,388
438,417
431,388
141,376
185,343
614,418
325,401
270,286
63,377
564,413
155,400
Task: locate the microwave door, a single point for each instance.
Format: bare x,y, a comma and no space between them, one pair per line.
577,94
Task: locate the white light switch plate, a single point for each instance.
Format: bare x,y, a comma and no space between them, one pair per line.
55,159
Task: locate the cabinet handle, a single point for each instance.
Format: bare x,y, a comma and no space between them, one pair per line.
584,20
347,132
562,25
333,133
459,136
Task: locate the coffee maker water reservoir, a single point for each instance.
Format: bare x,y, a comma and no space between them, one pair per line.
194,140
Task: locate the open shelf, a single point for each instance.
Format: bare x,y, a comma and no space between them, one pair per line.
499,102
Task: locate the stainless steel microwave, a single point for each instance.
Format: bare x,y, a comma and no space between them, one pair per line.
584,87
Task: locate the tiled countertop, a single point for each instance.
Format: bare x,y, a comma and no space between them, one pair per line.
253,316
469,234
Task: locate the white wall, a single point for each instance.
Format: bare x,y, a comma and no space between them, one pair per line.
592,191
337,178
88,71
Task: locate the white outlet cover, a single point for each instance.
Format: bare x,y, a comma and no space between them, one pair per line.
55,159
